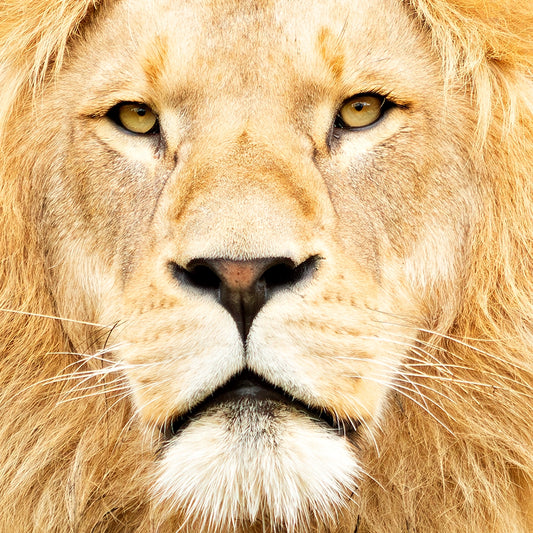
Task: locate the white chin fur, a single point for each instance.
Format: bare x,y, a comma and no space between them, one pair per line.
242,464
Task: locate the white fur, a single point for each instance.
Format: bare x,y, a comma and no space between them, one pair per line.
236,464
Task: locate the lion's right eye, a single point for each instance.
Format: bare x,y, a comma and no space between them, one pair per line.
136,118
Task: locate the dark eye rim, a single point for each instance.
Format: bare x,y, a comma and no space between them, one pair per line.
386,104
113,115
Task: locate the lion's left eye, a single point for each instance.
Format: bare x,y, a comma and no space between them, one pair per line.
137,118
360,111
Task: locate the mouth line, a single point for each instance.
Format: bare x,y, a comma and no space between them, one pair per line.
250,386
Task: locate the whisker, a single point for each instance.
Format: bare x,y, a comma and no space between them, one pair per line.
92,394
81,376
449,368
413,347
85,357
401,389
457,341
100,384
39,315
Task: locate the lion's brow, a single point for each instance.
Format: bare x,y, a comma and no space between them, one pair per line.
155,58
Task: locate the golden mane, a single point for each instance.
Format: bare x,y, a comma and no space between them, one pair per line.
452,459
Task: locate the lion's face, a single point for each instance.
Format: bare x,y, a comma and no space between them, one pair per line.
268,226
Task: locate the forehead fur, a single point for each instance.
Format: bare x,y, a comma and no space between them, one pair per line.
476,40
175,56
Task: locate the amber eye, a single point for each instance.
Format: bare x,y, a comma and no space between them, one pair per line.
137,118
360,111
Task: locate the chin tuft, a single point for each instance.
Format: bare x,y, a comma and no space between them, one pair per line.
243,465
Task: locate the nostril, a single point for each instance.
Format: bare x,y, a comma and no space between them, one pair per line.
202,276
198,275
278,275
285,274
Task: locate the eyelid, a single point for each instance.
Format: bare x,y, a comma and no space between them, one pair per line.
115,107
99,105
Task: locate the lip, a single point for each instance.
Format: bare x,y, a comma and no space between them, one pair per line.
250,386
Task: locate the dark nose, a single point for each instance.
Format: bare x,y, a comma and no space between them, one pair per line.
243,287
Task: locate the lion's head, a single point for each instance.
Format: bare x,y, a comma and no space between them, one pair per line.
266,266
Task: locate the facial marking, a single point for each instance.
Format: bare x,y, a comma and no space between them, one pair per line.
330,48
155,59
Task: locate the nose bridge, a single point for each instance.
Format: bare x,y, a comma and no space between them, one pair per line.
277,179
244,199
270,165
255,153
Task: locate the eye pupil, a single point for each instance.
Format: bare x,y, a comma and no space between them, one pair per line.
141,111
359,106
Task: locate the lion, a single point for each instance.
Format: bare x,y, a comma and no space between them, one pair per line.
266,266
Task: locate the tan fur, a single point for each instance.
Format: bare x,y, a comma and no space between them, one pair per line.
417,323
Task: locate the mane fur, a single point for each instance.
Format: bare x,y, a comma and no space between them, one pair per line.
457,456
